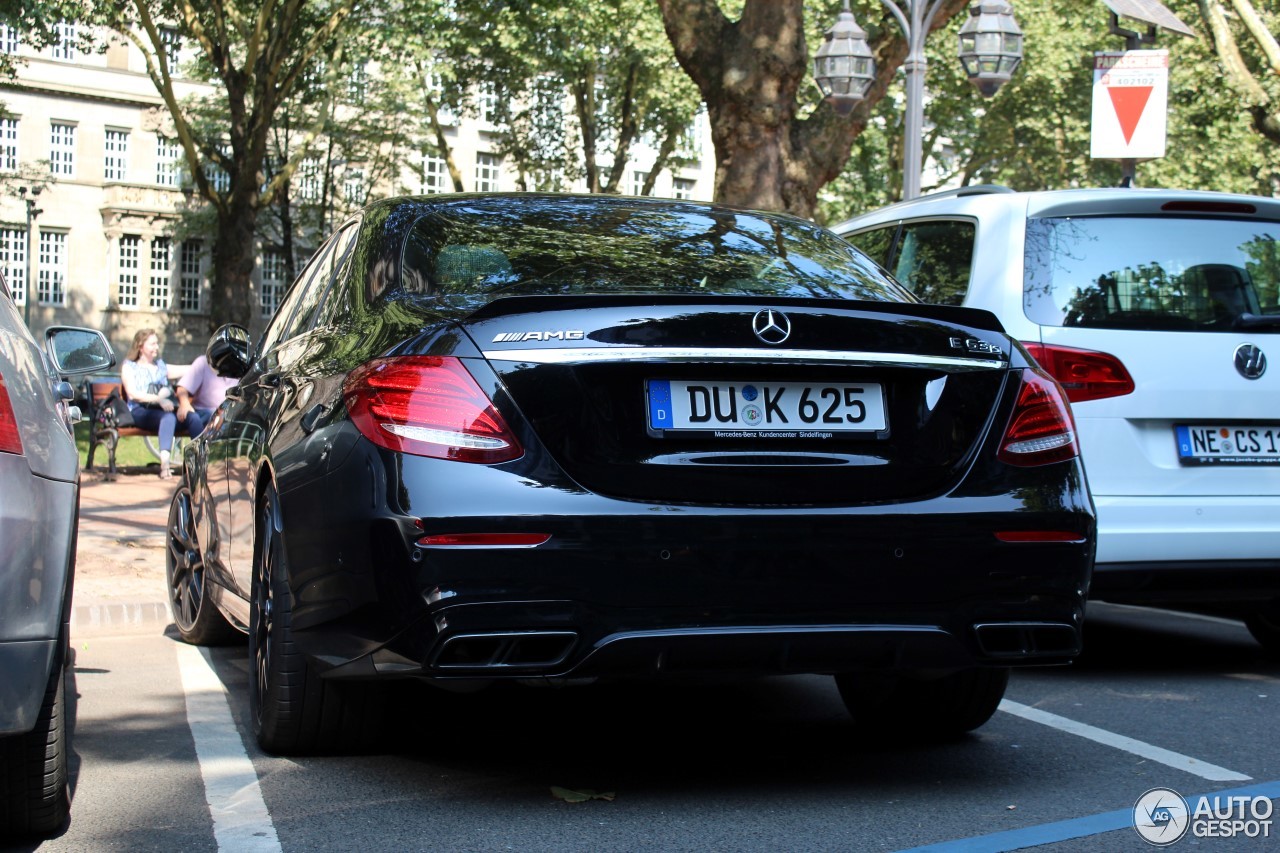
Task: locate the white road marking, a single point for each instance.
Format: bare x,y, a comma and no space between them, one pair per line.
1176,760
241,821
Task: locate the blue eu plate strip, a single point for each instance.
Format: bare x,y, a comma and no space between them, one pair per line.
660,404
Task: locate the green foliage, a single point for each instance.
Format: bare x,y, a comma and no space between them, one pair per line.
1035,134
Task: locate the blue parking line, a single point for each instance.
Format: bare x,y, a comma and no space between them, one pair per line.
1081,827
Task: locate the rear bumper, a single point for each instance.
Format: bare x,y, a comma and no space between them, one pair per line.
630,589
1187,550
1187,582
1157,529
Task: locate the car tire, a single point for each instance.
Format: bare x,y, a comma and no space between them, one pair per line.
34,800
1263,623
923,708
197,619
292,710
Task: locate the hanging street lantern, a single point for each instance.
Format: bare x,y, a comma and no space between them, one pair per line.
990,45
843,67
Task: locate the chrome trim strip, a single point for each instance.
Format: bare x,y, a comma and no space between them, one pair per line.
592,355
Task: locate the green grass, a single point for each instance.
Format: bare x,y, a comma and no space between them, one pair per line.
130,453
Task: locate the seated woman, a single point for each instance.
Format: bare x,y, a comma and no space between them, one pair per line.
145,379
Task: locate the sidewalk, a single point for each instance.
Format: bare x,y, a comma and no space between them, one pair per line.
120,557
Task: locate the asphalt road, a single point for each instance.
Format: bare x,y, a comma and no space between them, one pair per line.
1159,700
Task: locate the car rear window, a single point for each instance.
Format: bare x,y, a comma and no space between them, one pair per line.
1153,273
551,246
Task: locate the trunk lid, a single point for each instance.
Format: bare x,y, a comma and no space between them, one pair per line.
735,401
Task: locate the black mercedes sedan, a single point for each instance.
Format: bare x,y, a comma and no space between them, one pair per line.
552,437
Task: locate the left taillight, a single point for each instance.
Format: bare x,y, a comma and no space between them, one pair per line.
428,406
10,439
1041,429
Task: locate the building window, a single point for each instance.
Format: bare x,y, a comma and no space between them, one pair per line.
166,162
189,276
435,174
52,279
358,83
161,270
9,40
116,155
488,170
13,258
309,179
272,281
130,249
65,47
682,188
353,186
488,102
637,182
62,149
172,42
8,145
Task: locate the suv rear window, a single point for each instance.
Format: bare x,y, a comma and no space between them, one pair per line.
1152,273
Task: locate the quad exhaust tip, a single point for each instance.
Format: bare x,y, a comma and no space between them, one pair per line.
1028,639
505,650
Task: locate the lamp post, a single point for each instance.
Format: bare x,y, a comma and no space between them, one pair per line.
990,51
32,213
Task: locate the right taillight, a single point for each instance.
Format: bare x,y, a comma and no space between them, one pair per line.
10,439
428,406
1084,374
1041,429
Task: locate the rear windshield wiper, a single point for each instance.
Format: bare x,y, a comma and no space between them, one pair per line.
1257,321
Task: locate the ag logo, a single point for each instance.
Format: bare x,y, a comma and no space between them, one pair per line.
1161,816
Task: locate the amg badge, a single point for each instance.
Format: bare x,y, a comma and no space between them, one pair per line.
557,335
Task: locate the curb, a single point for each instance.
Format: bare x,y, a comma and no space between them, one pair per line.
118,618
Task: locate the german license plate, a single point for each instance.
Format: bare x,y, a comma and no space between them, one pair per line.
1229,445
767,409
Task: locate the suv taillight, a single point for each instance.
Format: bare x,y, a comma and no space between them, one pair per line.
428,406
1041,429
1084,374
10,440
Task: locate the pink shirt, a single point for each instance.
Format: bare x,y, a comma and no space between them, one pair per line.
207,388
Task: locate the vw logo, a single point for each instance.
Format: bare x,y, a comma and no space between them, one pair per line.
772,327
1250,361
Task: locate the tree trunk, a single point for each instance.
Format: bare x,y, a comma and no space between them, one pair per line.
234,255
751,73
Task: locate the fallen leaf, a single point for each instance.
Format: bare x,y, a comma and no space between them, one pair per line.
572,796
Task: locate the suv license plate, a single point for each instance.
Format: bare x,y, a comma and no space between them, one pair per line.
767,409
1229,445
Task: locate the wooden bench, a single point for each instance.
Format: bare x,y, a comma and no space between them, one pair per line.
103,429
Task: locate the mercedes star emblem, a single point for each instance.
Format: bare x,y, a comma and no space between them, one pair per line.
774,327
1250,361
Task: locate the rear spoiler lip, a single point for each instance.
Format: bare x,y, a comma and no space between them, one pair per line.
976,318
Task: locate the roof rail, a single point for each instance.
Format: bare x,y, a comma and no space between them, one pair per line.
976,189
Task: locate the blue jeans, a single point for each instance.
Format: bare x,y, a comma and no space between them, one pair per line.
165,424
197,420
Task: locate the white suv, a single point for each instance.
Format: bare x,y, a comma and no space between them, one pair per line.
1156,310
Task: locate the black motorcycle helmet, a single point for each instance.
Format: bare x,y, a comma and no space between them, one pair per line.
228,351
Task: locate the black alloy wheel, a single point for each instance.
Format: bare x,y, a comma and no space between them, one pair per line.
197,619
1263,623
922,708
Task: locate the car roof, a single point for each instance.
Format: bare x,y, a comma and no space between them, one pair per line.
1072,202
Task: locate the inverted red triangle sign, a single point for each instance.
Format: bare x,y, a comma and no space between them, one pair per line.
1129,102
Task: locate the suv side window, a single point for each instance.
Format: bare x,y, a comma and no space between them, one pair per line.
876,243
934,258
